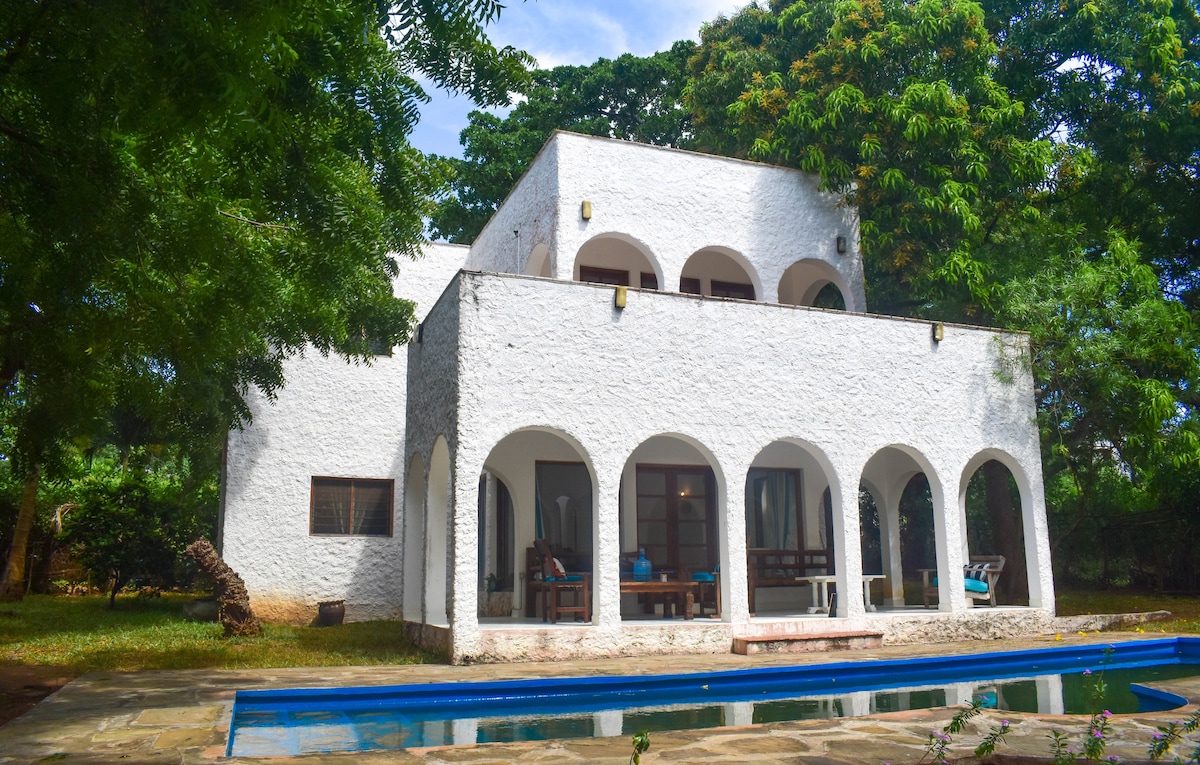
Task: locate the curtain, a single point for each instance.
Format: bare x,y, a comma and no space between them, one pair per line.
771,509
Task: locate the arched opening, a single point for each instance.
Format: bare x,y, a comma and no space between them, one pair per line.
812,282
790,536
550,488
897,503
719,272
497,572
993,514
414,539
616,259
539,262
437,509
670,495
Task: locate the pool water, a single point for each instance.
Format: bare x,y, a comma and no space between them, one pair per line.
1046,681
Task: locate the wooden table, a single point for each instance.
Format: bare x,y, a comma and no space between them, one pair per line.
684,593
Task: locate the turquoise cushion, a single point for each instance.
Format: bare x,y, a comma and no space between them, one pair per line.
703,576
974,585
567,578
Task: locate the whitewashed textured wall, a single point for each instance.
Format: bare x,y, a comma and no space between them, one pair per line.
730,379
331,419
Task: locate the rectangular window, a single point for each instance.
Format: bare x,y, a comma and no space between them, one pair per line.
689,285
563,509
345,506
732,290
676,517
603,276
774,512
649,280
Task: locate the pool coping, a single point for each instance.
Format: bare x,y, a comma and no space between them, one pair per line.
183,716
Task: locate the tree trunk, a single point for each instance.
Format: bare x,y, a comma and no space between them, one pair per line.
12,586
233,602
1007,531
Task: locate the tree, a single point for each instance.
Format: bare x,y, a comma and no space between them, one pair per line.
1117,84
191,193
1115,365
631,98
895,105
131,521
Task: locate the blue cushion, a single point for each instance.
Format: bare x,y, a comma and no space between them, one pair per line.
703,576
974,585
567,578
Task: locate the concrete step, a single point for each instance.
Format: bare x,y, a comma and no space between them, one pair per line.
800,643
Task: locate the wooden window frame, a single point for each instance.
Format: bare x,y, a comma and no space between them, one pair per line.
312,505
594,275
671,521
745,291
649,280
691,285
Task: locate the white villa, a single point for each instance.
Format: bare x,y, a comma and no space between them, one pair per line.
628,357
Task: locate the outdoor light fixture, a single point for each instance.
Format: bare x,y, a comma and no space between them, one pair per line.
420,332
585,210
619,296
841,245
939,332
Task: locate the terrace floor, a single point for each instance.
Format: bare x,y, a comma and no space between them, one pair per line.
183,716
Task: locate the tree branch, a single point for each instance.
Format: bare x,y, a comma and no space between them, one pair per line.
256,224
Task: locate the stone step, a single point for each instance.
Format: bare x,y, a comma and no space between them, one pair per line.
801,643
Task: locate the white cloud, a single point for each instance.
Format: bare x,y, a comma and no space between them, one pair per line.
558,32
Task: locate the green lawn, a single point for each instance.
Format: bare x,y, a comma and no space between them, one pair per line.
81,634
1186,610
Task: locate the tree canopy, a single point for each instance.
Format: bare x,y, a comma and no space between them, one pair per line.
630,97
192,192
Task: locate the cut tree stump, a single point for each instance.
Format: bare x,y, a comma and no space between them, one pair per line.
233,602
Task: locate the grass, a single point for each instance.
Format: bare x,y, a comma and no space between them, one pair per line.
1185,610
81,634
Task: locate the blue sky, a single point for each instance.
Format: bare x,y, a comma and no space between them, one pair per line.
560,32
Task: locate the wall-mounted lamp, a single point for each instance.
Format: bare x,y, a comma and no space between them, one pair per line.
585,210
420,332
939,332
841,245
619,296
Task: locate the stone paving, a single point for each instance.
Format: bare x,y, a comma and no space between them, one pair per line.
183,717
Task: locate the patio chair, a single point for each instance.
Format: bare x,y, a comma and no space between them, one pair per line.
980,578
556,582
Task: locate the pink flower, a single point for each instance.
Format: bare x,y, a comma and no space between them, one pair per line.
1087,672
1107,714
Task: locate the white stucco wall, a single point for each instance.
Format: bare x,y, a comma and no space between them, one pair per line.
675,204
336,419
730,378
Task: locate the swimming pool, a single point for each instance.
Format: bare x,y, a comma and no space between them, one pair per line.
299,721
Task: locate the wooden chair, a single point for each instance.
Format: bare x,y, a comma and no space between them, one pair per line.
553,587
708,591
980,578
